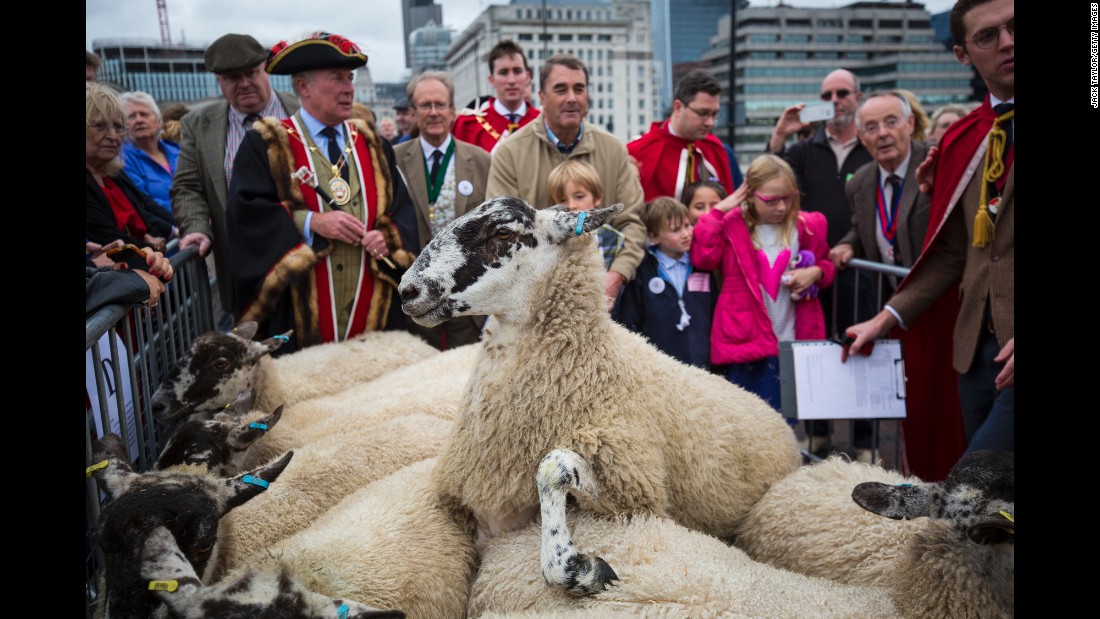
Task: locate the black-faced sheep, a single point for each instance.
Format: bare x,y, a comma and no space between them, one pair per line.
556,373
943,549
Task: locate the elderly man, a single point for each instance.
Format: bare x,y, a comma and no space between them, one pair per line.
211,135
498,117
404,117
889,213
521,163
316,207
681,150
973,244
446,178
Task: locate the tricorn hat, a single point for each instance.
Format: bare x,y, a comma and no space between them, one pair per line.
314,50
234,52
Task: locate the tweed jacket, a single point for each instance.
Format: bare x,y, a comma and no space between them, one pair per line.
471,163
199,189
912,215
521,164
985,272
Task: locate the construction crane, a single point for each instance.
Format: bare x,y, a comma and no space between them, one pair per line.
165,32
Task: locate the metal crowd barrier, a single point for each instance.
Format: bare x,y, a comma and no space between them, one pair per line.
129,350
881,287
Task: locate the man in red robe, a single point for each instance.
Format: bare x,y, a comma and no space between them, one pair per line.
970,244
495,118
681,150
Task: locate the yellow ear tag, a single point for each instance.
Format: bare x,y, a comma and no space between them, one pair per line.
1007,515
95,467
163,585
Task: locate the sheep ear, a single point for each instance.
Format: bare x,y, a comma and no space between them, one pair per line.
111,466
242,436
246,329
904,501
162,560
238,490
567,222
275,341
995,529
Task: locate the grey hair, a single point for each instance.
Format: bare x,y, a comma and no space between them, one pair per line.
142,98
439,76
905,107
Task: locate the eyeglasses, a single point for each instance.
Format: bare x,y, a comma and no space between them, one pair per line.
102,127
773,200
428,106
703,115
988,37
891,123
840,94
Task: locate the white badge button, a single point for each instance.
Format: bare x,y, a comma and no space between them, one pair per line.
656,285
465,188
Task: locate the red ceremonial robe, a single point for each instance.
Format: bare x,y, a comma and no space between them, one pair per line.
485,127
663,162
934,434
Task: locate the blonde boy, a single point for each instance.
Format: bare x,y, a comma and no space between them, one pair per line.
576,184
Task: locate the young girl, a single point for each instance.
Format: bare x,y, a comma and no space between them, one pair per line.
701,196
752,236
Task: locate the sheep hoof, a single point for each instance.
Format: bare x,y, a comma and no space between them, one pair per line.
588,575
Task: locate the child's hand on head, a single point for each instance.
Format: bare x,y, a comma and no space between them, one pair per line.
734,199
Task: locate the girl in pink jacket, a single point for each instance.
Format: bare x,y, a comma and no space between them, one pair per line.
753,236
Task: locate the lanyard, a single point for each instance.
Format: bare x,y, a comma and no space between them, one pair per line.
888,220
434,188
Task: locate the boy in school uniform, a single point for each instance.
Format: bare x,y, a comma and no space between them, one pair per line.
667,301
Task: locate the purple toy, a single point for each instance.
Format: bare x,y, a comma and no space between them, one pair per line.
804,259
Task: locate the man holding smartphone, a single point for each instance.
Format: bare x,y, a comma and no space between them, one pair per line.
823,164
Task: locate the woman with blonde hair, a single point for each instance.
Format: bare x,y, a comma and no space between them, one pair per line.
114,207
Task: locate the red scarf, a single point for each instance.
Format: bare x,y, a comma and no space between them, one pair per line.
126,216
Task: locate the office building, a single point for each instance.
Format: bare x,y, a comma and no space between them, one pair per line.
427,47
415,14
682,30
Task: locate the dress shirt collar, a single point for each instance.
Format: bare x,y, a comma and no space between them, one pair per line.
902,167
429,149
273,108
503,111
314,127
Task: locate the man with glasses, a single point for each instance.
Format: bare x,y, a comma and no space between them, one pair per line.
446,177
318,215
824,164
211,135
682,150
972,247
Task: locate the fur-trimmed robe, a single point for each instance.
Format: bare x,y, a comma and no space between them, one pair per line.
274,271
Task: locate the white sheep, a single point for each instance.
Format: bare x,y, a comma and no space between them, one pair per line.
943,549
321,475
388,545
556,373
218,366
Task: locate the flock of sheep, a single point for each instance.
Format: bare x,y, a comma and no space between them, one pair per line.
563,467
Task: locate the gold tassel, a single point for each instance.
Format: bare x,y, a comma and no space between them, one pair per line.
994,168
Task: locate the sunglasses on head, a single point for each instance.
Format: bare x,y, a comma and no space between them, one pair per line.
840,94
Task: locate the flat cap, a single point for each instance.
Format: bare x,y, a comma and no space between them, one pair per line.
234,52
402,104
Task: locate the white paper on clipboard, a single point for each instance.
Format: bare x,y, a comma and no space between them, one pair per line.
865,387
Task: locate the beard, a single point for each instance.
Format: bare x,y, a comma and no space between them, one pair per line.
841,121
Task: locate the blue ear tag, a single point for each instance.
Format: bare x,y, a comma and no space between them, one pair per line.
580,222
255,481
258,426
284,338
342,612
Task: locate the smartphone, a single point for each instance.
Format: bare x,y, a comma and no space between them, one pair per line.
132,255
817,111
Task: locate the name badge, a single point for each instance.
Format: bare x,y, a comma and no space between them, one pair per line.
656,285
698,282
465,188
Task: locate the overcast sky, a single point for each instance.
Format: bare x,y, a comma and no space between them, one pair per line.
374,24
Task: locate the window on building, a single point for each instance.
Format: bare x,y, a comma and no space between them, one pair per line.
584,37
889,23
641,87
918,38
588,15
610,104
826,55
861,23
599,103
604,38
565,37
794,23
795,55
568,14
641,119
853,38
641,74
914,24
530,54
641,105
525,36
796,38
599,70
827,38
610,70
546,37
829,23
599,87
528,13
763,38
559,14
519,13
599,55
610,85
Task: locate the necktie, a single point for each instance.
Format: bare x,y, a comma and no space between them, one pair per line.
1002,109
513,118
436,157
334,151
893,182
249,120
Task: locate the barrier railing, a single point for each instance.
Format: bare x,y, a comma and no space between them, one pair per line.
129,350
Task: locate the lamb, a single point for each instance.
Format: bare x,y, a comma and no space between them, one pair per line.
556,373
247,594
959,560
321,475
218,366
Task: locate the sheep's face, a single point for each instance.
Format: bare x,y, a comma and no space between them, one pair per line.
217,368
487,261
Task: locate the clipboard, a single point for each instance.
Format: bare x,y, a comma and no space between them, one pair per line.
814,384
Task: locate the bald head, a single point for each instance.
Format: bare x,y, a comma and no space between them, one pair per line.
841,82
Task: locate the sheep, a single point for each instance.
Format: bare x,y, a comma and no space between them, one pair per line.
433,386
388,545
321,475
556,373
186,501
218,443
218,366
827,520
247,594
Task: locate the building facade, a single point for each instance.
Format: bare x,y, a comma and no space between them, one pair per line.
613,38
428,46
414,14
682,31
783,53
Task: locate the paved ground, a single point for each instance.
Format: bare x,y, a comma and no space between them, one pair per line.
887,440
